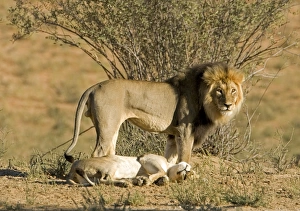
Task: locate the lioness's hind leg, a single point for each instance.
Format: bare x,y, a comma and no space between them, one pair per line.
71,182
83,174
154,165
120,183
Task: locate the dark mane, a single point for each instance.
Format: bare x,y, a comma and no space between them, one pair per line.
196,72
188,83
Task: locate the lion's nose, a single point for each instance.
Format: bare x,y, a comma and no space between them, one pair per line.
228,105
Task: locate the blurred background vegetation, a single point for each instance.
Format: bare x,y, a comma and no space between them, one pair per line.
87,42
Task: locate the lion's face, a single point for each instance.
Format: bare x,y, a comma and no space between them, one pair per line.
224,95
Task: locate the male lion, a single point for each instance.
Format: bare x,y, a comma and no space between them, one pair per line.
125,171
187,107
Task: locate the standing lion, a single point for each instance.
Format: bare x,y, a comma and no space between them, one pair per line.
187,107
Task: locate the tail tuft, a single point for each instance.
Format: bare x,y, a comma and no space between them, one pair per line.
69,158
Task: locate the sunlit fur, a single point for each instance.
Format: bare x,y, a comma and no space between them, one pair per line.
224,95
126,171
187,107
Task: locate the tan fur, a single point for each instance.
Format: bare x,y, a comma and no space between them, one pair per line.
125,171
225,89
187,107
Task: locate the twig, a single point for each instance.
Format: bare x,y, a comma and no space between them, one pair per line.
267,60
55,148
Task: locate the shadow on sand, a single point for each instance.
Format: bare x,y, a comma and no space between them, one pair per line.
12,173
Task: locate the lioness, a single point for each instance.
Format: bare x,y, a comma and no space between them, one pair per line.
114,169
187,107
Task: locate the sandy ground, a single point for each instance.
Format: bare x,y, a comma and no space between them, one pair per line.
20,192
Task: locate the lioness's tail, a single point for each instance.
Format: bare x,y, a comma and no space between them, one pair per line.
80,108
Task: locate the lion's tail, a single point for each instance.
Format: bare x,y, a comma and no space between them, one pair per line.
80,108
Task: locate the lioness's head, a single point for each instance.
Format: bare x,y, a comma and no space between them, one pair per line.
179,171
224,96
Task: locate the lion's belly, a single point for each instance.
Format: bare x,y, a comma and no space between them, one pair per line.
151,123
153,108
149,105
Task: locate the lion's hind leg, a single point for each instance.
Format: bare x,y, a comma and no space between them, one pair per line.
106,137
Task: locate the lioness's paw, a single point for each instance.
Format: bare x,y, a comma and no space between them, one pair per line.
123,184
141,181
162,181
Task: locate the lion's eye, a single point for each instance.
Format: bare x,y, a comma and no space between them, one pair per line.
219,91
233,91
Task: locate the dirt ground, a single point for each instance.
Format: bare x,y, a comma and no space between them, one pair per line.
20,192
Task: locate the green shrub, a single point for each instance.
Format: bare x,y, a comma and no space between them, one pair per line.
52,164
133,141
153,40
203,190
240,194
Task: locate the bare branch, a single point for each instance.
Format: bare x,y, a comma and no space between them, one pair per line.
268,59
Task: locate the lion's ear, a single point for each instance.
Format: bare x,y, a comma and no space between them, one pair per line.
209,76
238,77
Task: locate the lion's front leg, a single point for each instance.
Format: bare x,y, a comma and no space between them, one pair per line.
179,148
185,144
171,150
184,148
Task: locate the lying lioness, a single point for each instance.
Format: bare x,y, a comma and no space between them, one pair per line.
125,171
